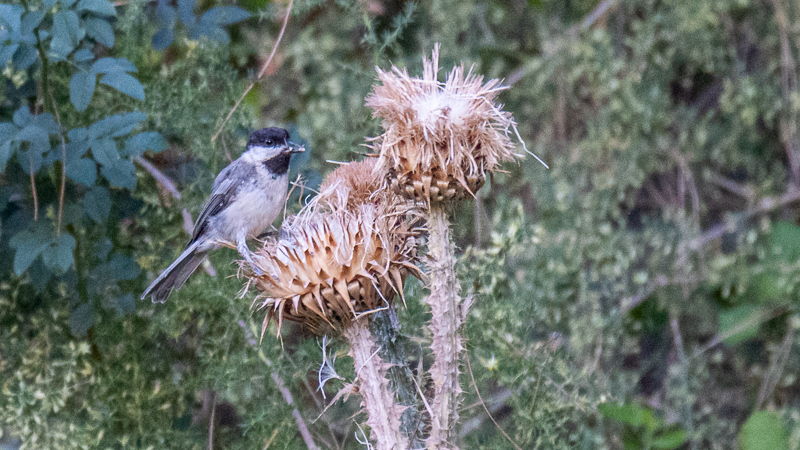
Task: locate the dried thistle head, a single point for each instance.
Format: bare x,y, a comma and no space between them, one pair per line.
345,254
353,184
440,139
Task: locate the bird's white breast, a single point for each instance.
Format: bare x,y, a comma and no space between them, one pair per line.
258,203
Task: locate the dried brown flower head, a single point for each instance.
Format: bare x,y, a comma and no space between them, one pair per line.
440,139
347,253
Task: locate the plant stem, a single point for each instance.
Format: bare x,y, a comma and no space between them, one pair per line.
446,308
385,329
383,415
47,100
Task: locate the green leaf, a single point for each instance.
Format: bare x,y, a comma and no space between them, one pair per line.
22,116
124,267
81,89
83,55
29,22
125,84
83,171
47,122
186,12
669,440
162,38
7,131
58,256
78,134
140,143
122,174
7,52
116,125
784,241
100,30
101,7
111,65
67,33
764,430
29,245
224,15
740,323
631,414
39,144
123,304
6,152
97,204
81,319
24,57
11,15
105,152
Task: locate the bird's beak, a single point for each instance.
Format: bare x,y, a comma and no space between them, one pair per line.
295,148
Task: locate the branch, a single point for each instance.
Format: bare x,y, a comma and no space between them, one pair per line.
765,205
260,74
159,176
308,438
551,47
475,385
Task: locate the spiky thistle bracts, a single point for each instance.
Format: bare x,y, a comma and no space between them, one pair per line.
347,253
440,138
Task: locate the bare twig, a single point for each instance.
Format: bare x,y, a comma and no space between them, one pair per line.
742,190
688,420
261,73
788,88
272,437
63,186
308,438
159,176
765,205
211,420
475,385
301,424
33,190
755,320
688,180
555,45
776,367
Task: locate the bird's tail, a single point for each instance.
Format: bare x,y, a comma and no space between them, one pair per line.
176,274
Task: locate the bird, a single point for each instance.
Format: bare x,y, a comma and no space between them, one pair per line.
246,197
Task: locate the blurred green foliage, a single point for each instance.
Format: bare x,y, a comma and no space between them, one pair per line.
642,290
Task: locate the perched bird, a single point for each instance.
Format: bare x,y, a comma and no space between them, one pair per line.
246,198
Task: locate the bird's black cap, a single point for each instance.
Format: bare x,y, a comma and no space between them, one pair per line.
268,137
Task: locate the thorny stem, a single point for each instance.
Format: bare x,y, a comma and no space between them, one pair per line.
383,414
446,345
385,329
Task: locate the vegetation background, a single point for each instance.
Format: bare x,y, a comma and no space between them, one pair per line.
642,293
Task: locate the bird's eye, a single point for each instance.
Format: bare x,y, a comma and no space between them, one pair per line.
269,142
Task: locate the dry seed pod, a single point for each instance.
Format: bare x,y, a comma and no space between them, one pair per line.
443,135
347,253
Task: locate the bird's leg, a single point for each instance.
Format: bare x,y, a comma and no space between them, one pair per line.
244,250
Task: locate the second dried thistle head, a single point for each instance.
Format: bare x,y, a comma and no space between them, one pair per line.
346,254
440,138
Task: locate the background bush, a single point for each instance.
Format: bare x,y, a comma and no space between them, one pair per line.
642,293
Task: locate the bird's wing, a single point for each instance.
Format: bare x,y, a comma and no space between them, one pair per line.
223,194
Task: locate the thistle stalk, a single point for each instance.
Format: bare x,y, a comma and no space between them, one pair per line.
445,325
383,414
